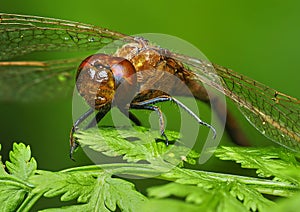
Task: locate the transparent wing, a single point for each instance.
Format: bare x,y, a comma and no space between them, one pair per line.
37,81
34,80
20,34
274,114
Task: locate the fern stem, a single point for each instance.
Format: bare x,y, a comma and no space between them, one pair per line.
30,200
148,170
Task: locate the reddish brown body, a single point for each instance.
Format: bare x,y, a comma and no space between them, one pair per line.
136,67
99,76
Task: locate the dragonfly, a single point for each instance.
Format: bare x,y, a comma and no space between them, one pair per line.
274,114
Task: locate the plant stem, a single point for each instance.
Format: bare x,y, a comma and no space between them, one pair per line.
29,201
148,170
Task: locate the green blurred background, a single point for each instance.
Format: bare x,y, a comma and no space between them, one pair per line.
259,39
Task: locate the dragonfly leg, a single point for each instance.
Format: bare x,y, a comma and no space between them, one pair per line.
180,104
134,119
102,112
145,105
99,116
73,143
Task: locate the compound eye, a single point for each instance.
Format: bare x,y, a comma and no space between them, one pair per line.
124,71
95,82
99,76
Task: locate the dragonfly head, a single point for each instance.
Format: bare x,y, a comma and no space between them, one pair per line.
100,75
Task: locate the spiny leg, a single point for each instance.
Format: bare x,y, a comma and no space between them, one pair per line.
92,123
98,117
141,105
180,104
73,143
233,128
134,119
